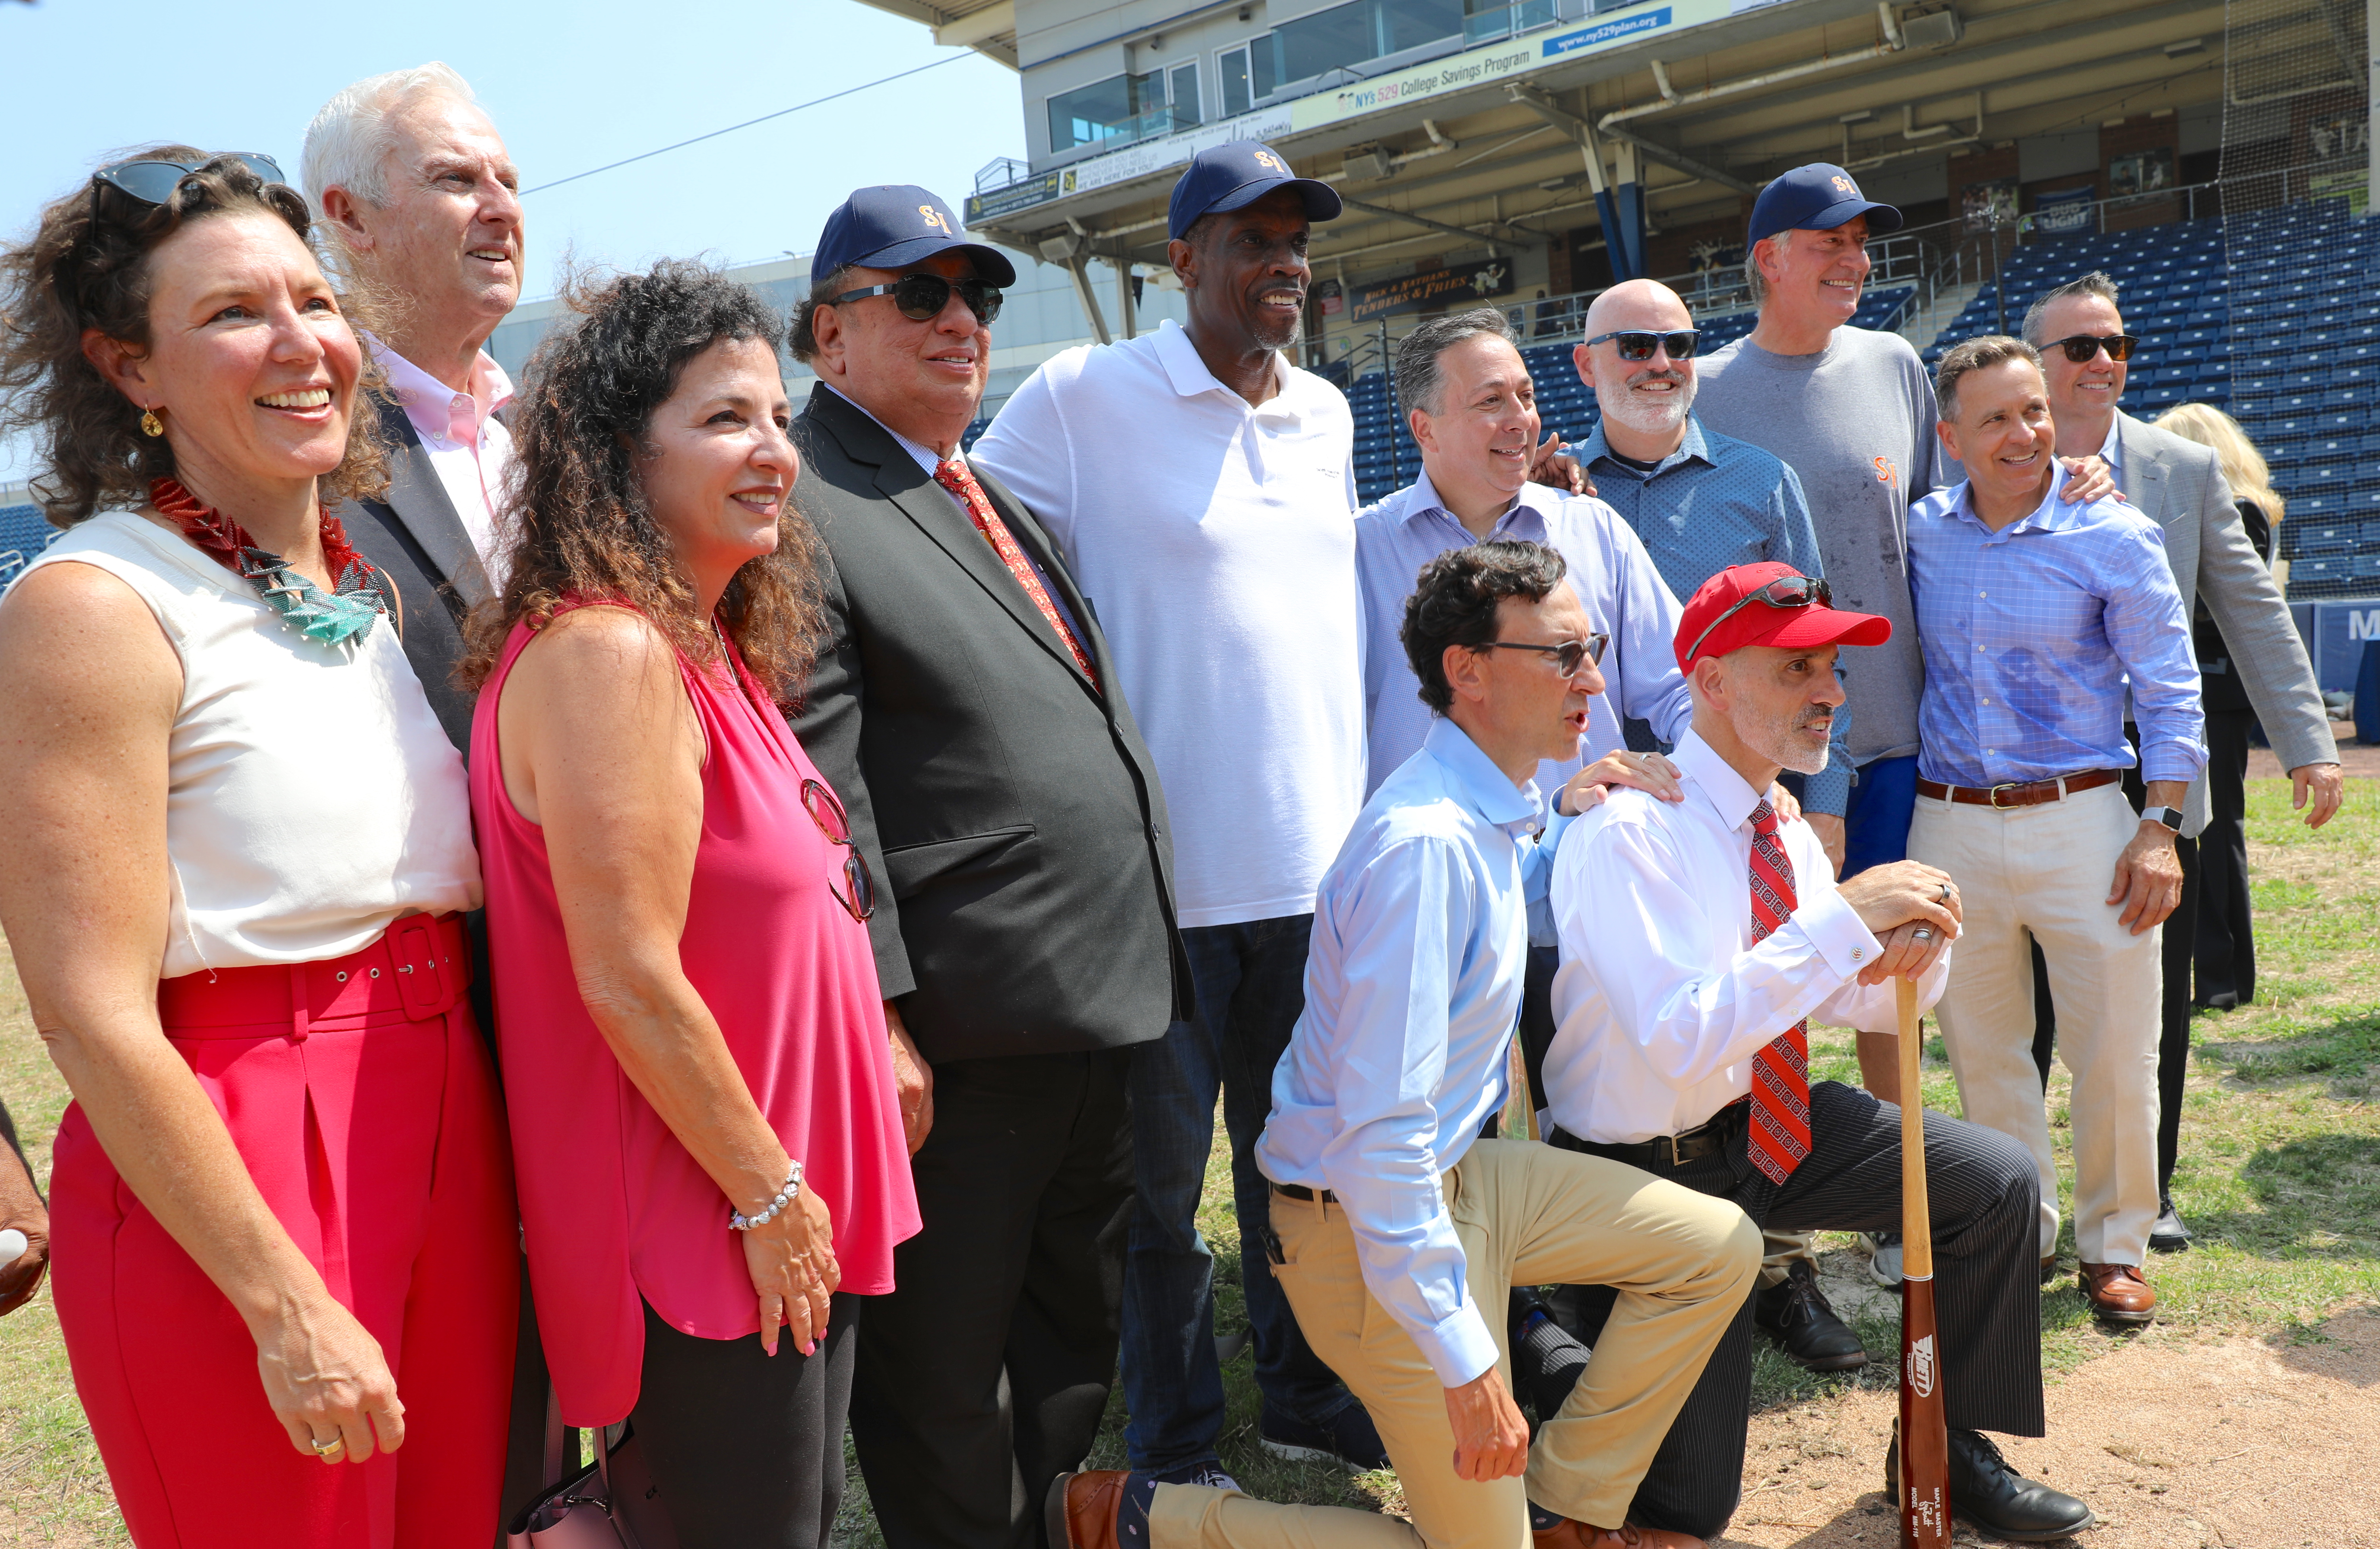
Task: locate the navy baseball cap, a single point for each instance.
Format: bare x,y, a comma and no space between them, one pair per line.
895,225
1240,173
1819,197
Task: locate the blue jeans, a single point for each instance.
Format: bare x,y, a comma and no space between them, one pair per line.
1884,799
1251,986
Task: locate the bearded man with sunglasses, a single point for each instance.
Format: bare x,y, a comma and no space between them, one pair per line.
2178,485
966,709
1698,939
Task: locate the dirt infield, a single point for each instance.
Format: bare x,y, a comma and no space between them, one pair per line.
2176,1443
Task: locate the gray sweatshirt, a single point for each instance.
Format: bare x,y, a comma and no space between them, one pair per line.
1855,421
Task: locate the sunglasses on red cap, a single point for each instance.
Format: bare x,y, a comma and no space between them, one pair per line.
1786,591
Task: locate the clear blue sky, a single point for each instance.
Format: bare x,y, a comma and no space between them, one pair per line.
571,86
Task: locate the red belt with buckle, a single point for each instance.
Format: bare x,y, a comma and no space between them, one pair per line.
2030,793
420,966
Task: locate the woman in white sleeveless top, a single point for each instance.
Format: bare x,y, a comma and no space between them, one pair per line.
282,1210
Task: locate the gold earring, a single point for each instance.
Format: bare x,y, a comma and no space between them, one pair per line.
149,424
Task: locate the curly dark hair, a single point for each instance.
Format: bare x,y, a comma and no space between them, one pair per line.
1454,603
575,523
87,266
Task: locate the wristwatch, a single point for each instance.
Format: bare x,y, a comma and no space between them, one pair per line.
2168,816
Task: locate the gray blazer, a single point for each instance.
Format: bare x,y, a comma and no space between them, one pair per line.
2178,485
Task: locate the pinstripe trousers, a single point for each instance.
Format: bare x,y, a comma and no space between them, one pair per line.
1984,1194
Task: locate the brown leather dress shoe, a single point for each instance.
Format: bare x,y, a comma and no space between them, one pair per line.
2118,1294
1081,1510
1578,1536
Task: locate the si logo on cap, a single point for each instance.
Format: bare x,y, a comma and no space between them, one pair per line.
934,219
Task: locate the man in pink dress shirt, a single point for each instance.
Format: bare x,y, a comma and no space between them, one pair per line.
422,205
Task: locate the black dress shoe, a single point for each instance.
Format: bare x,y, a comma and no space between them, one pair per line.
2168,1235
1987,1493
1795,1313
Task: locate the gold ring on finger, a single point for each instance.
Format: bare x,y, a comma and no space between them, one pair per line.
325,1448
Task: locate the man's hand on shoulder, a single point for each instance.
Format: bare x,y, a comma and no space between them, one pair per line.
1904,893
2088,479
1648,772
1491,1440
1554,466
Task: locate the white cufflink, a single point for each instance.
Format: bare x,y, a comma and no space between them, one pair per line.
1858,952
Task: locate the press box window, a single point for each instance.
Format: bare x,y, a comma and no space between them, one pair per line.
1232,66
1125,108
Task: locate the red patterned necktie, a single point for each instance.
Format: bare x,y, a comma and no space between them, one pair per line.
959,479
1781,1072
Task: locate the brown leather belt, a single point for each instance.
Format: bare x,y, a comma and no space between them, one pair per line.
2030,793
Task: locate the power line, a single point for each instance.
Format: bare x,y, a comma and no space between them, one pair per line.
731,128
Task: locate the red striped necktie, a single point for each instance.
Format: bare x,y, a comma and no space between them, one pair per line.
1781,1072
960,480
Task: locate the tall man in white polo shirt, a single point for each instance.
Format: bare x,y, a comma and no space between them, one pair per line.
1201,489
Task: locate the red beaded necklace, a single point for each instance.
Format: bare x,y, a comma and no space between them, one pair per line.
349,609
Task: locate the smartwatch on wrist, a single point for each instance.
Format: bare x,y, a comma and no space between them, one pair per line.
2168,816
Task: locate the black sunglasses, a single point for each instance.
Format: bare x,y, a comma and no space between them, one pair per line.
828,814
2080,347
1569,656
921,297
154,182
1635,343
1786,591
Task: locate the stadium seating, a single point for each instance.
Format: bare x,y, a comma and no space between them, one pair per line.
24,532
2298,305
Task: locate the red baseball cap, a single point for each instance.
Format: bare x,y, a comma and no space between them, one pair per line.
1717,620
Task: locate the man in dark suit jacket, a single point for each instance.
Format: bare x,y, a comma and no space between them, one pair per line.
963,708
415,192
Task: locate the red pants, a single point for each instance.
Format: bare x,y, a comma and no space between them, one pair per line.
362,1101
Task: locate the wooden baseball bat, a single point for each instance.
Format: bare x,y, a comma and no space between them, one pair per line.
1925,1434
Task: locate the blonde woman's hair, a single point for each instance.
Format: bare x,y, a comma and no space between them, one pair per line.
2243,466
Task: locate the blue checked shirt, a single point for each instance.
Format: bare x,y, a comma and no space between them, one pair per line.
2030,633
1718,502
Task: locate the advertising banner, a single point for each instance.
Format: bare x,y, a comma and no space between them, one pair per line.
1411,292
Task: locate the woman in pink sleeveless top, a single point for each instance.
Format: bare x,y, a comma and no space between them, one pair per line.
709,1156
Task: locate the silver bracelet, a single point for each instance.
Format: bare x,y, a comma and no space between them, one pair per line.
741,1222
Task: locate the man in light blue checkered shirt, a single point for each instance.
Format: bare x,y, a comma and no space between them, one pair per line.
2034,614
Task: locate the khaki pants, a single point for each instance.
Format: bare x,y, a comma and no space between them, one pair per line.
1683,1262
2041,873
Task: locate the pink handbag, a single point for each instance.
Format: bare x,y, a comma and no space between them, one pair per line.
612,1503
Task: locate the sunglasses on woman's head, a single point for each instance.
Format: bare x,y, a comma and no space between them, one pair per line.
154,182
2080,347
1635,344
921,297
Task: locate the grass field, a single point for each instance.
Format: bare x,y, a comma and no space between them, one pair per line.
2279,1176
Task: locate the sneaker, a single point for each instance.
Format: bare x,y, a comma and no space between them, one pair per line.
1349,1440
1883,1257
1210,1473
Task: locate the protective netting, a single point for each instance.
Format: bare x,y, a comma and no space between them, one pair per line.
2305,324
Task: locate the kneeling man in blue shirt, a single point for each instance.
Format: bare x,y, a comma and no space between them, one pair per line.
1398,1231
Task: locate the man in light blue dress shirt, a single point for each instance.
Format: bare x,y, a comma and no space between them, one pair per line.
2035,613
1397,1229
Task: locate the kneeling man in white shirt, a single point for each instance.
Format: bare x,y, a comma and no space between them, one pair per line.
1699,940
1397,1231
